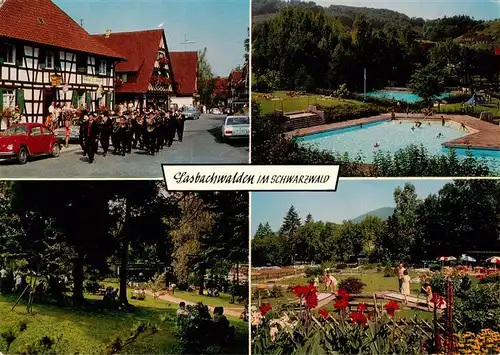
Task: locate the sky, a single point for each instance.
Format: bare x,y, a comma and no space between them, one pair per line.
429,9
352,199
219,25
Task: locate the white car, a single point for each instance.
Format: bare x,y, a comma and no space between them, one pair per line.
216,111
235,127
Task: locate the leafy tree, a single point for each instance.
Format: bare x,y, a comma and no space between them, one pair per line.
428,83
205,78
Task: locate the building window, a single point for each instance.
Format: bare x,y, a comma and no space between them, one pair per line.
10,54
102,67
49,60
9,99
81,99
124,77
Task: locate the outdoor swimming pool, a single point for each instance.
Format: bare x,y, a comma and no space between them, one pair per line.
392,136
399,96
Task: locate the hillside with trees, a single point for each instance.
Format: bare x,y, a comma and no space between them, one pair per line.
305,47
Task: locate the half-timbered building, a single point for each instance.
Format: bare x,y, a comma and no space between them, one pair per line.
238,89
185,68
45,56
145,78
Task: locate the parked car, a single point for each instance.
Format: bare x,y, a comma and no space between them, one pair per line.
216,111
191,113
235,127
25,140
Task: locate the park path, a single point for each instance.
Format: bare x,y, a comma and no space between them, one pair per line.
230,311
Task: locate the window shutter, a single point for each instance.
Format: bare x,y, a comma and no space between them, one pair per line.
1,101
97,65
108,100
20,100
75,98
41,57
19,55
3,53
57,60
88,100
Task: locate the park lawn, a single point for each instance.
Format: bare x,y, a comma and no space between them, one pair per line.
375,281
88,332
222,300
493,107
299,103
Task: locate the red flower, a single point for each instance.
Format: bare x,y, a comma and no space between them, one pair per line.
362,307
266,307
358,318
298,291
437,300
323,313
480,276
312,298
391,307
341,303
343,293
308,293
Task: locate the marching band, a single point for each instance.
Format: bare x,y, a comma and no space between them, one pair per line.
150,131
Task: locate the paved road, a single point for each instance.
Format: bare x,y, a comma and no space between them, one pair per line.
199,146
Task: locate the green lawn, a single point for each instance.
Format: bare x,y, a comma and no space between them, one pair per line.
222,300
300,103
88,332
493,107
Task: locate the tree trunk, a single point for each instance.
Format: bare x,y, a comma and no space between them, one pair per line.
124,255
202,280
237,273
78,279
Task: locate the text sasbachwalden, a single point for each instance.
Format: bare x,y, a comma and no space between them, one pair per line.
244,178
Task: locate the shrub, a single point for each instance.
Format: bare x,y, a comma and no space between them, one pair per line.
352,284
314,271
341,266
479,308
493,278
348,112
435,267
276,291
390,272
91,286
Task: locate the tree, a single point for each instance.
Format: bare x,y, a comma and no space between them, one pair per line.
289,232
205,78
402,225
428,82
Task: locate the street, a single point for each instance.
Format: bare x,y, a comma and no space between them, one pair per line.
200,146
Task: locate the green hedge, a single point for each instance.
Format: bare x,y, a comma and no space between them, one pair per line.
349,112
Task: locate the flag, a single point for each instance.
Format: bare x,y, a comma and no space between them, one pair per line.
160,25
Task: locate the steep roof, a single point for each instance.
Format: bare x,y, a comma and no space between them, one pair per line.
43,22
140,48
220,85
185,69
235,76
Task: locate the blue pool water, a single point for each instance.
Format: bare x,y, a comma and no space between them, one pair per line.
392,136
399,96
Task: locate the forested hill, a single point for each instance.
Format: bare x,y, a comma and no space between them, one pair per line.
265,9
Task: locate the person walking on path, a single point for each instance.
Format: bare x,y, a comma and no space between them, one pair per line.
405,288
401,270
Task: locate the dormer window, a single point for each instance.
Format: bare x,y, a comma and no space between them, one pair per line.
102,67
49,60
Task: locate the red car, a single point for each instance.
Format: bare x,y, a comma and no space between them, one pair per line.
25,140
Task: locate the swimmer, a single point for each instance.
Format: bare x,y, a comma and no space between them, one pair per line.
376,145
412,128
463,127
443,122
439,135
418,124
428,124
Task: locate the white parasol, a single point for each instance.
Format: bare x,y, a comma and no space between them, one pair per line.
467,258
447,258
